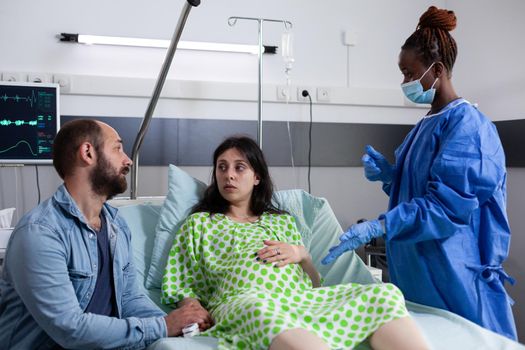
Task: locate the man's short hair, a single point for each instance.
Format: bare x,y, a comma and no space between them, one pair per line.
67,141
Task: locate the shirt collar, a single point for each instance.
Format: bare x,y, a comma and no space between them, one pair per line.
63,198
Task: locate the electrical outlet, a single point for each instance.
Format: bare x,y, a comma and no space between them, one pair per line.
38,78
323,94
13,76
300,96
64,81
284,93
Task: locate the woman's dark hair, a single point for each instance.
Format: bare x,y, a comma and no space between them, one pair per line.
66,143
432,41
261,200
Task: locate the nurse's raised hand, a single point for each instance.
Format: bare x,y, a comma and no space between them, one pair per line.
377,167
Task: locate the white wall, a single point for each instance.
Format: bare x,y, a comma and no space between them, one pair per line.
489,68
116,81
321,57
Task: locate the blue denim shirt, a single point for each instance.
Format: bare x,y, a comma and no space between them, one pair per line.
49,276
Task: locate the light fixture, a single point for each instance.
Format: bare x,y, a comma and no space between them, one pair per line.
157,43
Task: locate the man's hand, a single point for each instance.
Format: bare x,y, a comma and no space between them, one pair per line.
189,311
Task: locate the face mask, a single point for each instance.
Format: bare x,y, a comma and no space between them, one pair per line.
413,90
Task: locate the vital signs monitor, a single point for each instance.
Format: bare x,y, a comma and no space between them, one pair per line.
29,121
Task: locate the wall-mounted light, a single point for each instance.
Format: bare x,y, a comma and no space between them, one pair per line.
157,43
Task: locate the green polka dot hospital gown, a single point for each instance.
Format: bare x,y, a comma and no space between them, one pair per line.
213,259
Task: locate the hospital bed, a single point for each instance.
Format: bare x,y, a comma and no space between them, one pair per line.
155,221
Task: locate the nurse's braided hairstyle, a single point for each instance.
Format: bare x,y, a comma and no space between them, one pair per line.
432,40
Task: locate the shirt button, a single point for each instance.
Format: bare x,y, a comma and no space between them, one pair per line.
94,266
91,236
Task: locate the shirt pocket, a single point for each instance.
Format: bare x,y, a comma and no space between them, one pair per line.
126,275
79,275
81,281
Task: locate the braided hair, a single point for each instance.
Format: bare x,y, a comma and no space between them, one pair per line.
432,41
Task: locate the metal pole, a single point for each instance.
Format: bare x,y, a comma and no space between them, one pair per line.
156,93
259,118
287,24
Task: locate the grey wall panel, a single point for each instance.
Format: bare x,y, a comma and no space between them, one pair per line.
191,142
198,138
512,134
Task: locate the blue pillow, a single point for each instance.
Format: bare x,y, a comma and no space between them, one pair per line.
184,192
320,230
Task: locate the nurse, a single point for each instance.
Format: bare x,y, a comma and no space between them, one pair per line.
446,228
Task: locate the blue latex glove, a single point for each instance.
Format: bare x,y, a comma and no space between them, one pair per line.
356,235
377,168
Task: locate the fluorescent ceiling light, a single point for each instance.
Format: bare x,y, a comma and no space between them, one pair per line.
156,43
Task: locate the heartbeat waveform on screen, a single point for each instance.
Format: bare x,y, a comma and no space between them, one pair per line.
31,99
18,143
6,122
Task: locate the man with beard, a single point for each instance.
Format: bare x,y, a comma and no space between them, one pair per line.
69,279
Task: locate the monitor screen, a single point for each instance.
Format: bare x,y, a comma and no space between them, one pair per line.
29,121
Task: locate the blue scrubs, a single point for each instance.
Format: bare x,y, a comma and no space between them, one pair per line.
446,228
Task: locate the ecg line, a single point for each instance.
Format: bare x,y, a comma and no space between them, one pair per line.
31,99
19,142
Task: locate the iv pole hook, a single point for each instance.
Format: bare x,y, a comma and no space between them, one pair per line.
287,25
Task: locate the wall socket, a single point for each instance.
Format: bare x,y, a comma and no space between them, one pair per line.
284,93
300,96
13,76
323,94
64,81
38,77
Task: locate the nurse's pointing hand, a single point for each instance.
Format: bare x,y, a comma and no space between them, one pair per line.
356,235
377,167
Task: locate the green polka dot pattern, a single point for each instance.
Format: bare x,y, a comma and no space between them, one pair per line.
213,259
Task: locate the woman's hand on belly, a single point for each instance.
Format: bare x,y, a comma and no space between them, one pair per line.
281,254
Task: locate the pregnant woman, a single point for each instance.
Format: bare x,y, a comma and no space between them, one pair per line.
243,259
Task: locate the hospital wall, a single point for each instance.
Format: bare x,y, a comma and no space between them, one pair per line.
364,80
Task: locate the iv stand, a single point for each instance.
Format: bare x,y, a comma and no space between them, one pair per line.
156,93
287,25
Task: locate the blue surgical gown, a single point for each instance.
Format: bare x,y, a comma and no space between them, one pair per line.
446,228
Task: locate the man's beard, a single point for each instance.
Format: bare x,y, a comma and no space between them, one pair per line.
105,181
